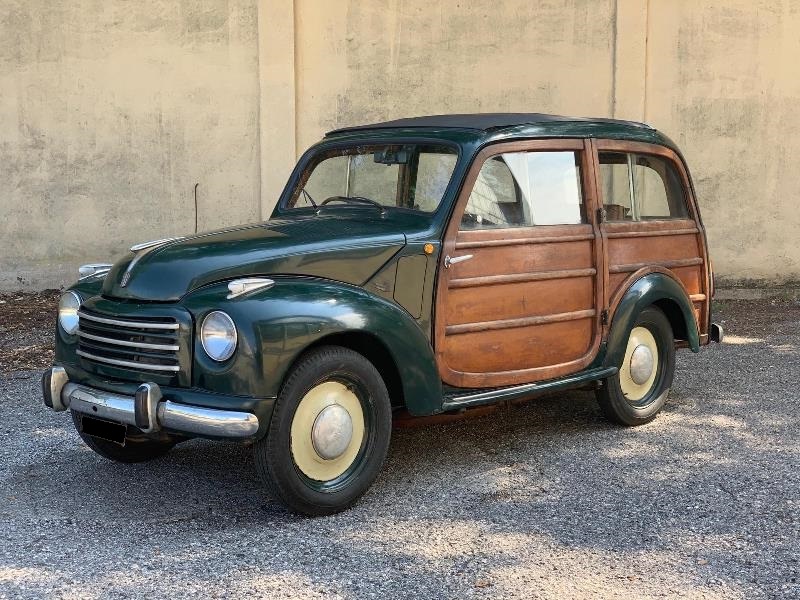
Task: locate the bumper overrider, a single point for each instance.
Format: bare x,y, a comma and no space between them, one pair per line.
146,410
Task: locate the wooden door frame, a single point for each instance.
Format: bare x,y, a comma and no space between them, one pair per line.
591,203
654,227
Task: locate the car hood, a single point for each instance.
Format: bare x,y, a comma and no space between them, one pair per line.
334,247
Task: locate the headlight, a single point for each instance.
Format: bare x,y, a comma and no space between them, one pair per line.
218,335
68,312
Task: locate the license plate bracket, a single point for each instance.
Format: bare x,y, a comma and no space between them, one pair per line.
105,430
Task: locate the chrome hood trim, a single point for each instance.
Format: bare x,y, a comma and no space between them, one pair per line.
142,250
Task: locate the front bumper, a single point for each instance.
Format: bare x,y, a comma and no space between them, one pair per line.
146,409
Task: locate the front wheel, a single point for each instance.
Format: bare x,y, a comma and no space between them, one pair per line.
638,392
329,433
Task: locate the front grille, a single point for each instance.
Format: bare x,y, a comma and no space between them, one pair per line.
149,344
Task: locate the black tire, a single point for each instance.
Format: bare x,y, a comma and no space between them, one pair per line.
138,448
273,455
613,402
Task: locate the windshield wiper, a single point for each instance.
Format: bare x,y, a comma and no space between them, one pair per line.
354,200
308,197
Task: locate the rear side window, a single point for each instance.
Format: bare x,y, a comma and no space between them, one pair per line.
521,189
639,187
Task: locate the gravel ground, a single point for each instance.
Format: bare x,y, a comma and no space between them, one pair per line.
542,500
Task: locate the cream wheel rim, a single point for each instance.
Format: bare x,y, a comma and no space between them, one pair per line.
327,431
640,365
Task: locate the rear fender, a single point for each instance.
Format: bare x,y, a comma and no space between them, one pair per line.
646,290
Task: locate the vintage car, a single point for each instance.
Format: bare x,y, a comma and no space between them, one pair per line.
429,265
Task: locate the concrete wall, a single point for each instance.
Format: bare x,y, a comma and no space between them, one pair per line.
111,111
723,79
720,77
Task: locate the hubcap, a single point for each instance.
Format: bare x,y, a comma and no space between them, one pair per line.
332,431
327,431
640,365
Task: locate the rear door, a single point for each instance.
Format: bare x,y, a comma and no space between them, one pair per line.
650,221
520,286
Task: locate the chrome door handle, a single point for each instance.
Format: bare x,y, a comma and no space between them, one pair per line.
456,259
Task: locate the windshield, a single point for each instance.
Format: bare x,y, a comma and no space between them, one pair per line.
410,176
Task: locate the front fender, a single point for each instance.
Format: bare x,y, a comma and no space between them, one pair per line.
277,325
644,291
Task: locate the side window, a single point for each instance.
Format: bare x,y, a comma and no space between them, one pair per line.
519,189
616,184
638,187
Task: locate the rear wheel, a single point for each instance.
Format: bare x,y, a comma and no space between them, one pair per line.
638,392
137,448
329,433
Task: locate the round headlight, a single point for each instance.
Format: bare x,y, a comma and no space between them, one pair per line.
68,307
218,335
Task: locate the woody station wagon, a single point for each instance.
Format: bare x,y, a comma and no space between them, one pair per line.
431,264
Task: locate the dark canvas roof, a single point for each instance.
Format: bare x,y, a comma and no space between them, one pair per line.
479,121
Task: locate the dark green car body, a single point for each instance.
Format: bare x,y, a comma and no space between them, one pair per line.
343,276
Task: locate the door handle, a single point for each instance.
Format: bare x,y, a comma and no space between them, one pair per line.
456,259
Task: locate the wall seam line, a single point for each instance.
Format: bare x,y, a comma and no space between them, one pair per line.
295,95
614,31
646,58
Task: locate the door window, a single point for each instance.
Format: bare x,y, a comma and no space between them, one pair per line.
519,189
638,187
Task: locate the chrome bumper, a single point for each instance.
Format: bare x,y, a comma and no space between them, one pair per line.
146,410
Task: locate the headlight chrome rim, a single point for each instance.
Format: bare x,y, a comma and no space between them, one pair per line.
233,338
68,314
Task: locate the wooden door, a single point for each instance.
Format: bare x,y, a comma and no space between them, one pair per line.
651,222
517,301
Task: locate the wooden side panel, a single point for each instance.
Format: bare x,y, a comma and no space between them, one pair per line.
673,249
510,351
525,258
535,309
519,300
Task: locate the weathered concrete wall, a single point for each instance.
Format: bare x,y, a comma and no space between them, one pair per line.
723,79
720,77
110,112
367,61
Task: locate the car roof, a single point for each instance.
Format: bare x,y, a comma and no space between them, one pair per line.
483,122
482,128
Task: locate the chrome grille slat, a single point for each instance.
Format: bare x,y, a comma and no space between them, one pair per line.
127,363
106,340
156,357
125,323
150,335
145,343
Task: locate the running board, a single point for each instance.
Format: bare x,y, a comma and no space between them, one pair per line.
459,401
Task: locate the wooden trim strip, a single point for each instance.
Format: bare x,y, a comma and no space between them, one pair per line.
697,297
654,233
528,240
520,277
523,322
667,264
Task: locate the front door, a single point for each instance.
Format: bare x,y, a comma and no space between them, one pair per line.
519,293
